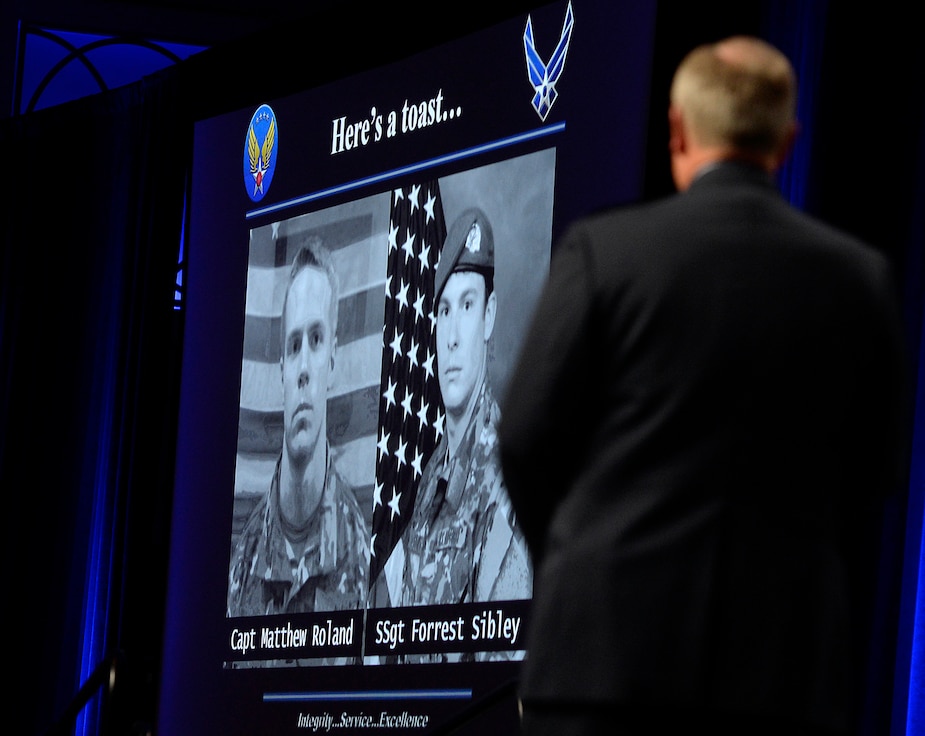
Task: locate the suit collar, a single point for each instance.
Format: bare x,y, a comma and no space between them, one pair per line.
732,172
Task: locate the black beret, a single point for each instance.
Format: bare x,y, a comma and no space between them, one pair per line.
469,246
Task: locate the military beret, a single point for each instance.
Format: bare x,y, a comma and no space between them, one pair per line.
469,246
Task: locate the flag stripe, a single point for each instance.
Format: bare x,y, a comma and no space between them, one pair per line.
270,245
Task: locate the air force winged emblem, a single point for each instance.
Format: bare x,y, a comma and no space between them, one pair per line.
543,76
260,152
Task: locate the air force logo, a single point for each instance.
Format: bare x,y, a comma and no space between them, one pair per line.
544,76
260,153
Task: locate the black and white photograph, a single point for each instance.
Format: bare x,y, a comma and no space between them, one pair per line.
378,338
444,532
307,421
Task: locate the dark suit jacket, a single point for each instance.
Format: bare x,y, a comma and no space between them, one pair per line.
703,415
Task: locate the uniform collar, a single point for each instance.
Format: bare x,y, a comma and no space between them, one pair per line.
320,555
463,455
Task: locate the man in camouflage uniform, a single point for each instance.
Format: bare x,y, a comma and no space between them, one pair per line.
462,543
306,545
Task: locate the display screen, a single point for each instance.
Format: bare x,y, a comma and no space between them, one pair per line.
363,262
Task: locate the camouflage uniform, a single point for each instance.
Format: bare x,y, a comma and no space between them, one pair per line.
265,577
462,544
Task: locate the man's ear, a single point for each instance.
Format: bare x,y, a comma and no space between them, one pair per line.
491,307
333,355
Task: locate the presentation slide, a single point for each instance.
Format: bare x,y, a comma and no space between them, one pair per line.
363,260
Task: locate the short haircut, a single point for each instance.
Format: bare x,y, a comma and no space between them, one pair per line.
740,92
312,253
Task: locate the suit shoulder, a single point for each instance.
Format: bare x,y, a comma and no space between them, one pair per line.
844,246
622,217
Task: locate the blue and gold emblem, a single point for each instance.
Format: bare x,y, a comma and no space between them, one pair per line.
260,152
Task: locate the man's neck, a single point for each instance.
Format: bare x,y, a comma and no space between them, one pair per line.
457,424
301,487
735,157
700,159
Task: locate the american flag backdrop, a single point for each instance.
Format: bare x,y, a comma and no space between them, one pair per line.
410,409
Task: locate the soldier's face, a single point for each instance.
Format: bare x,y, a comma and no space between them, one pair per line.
307,362
464,323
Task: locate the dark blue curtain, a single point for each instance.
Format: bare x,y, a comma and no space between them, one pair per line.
865,174
909,703
89,345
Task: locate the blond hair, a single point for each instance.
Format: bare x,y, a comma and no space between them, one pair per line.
738,93
312,253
